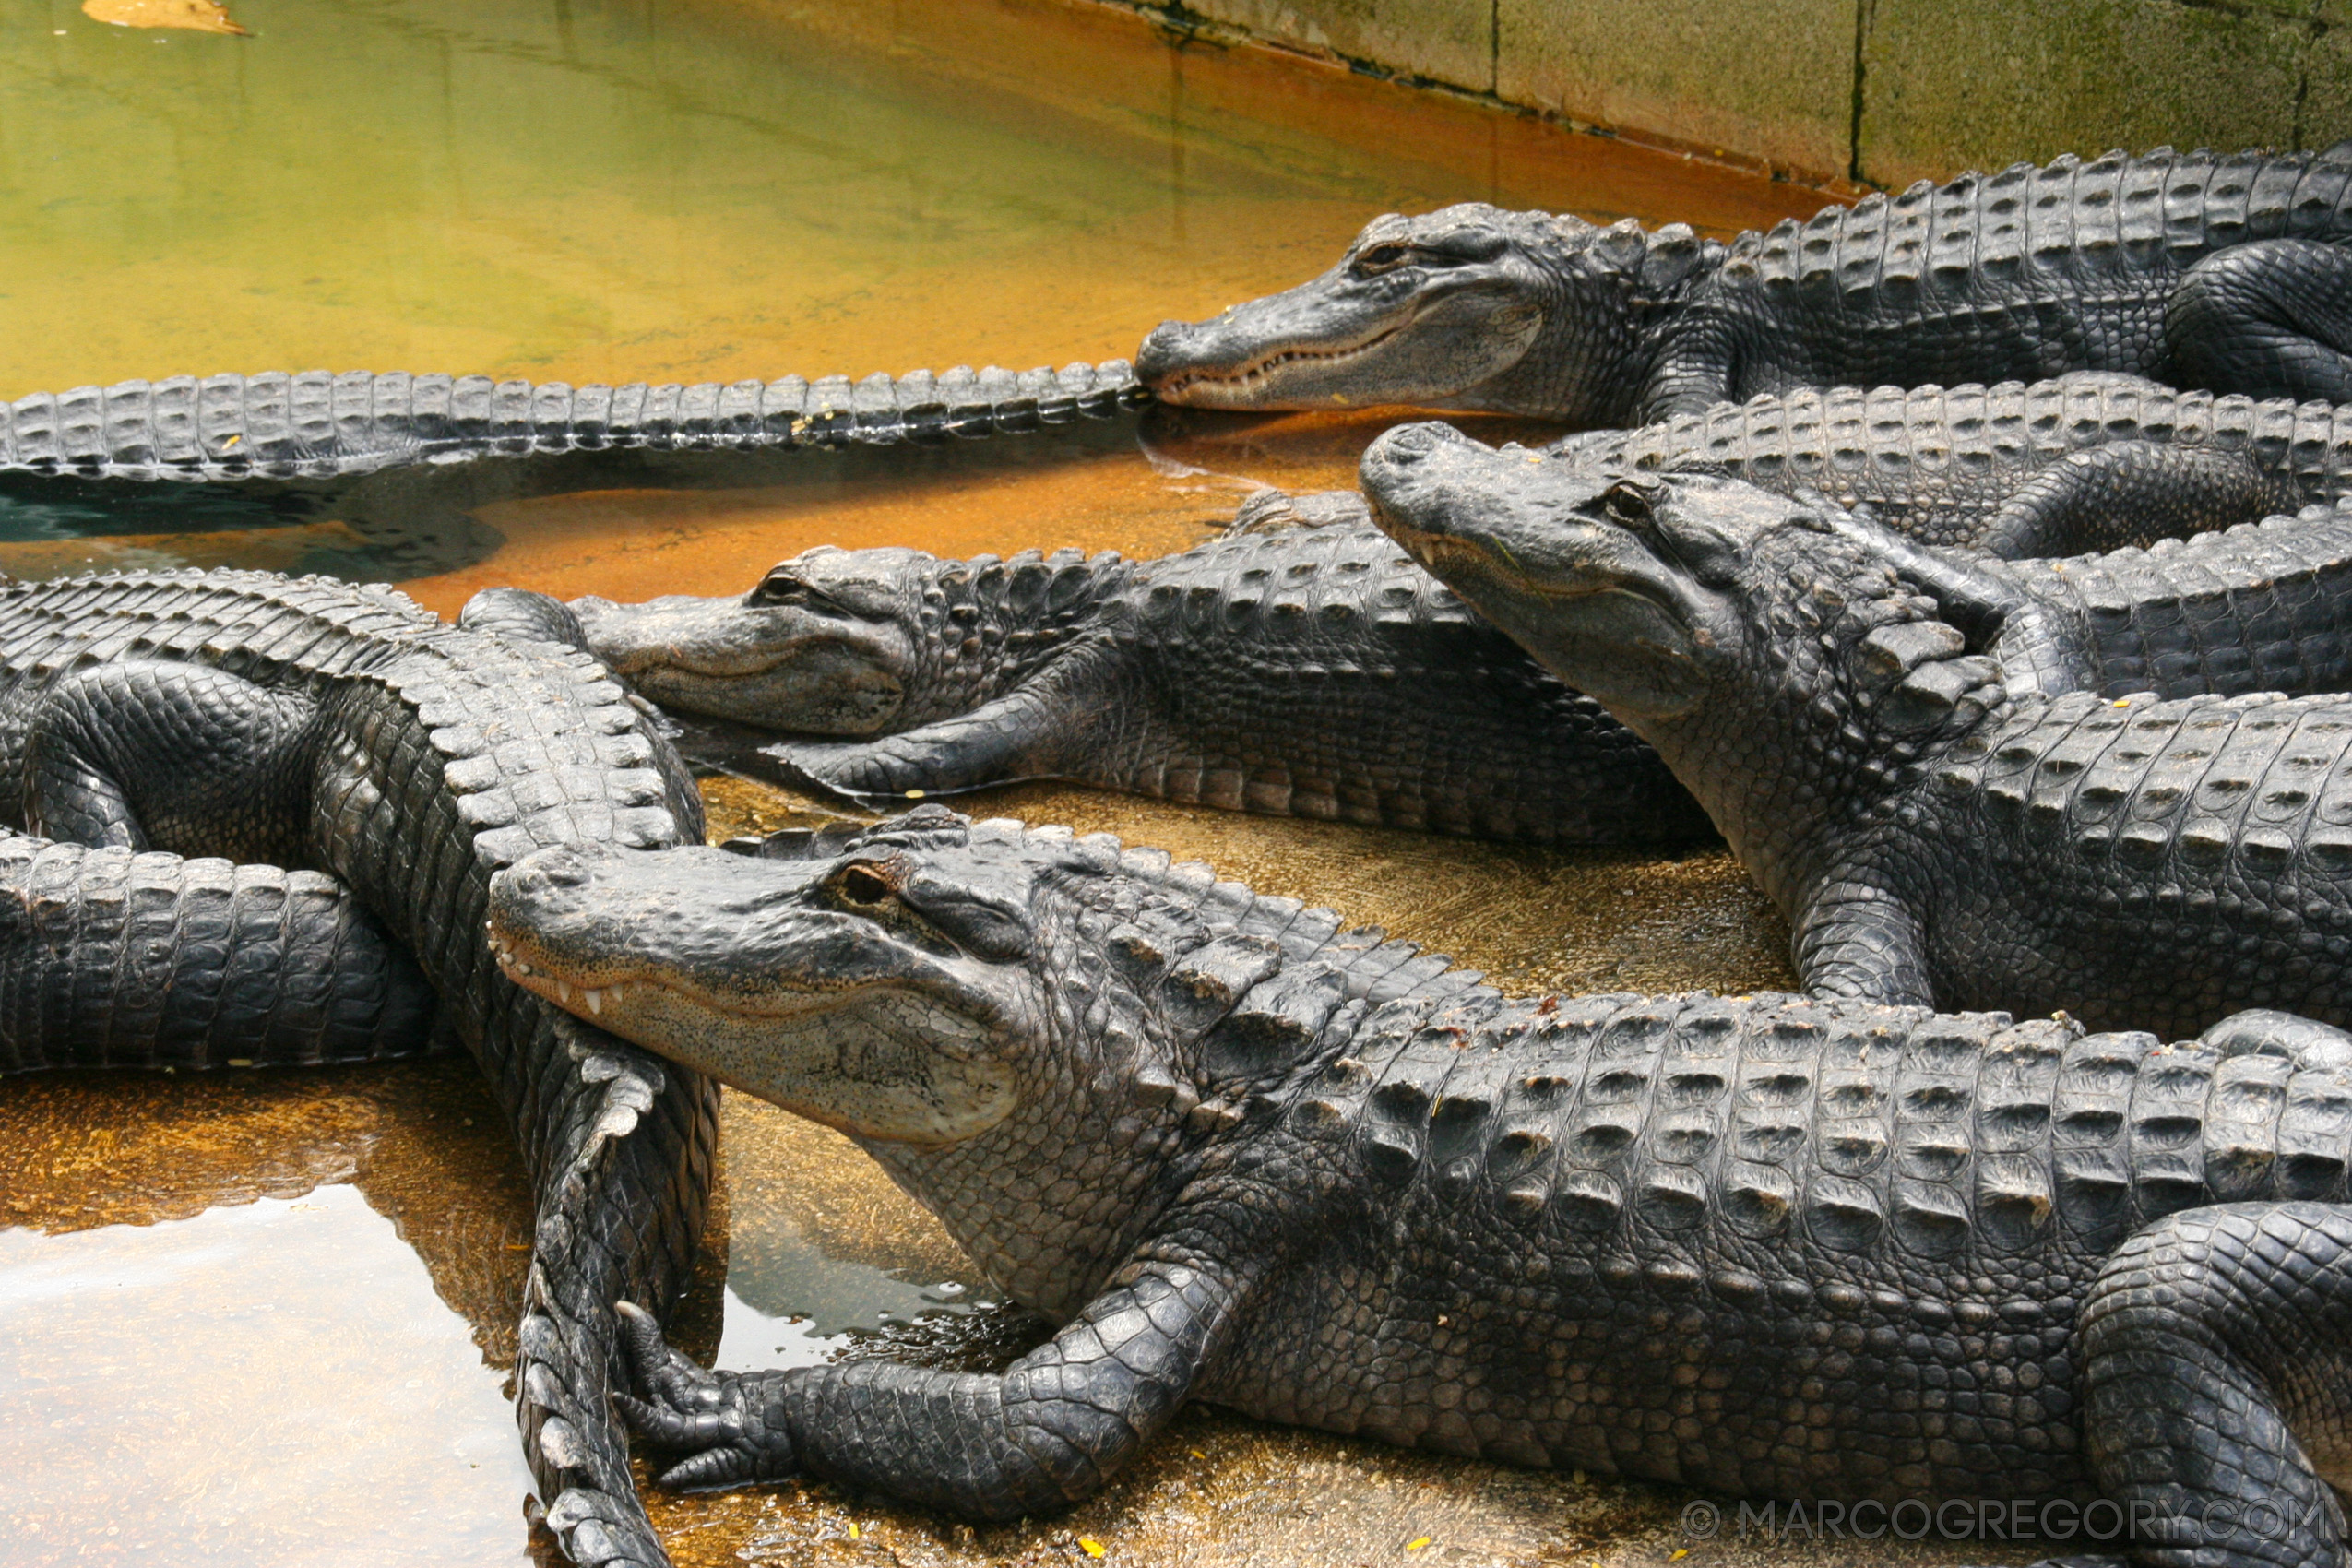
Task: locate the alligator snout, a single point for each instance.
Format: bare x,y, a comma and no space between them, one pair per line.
1163,352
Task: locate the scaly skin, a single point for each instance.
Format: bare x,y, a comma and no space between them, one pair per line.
319,424
1314,671
1764,1245
342,731
2083,462
2219,272
1930,834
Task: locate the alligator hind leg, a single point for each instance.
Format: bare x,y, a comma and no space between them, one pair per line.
149,753
2271,319
2216,1346
2134,492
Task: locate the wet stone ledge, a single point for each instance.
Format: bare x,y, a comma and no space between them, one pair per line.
1878,91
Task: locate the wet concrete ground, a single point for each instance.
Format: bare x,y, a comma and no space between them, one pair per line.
265,1319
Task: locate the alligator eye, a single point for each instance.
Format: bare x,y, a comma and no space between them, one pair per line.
780,590
777,589
864,886
1631,503
1383,258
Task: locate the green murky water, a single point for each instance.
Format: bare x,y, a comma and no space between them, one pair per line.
201,1279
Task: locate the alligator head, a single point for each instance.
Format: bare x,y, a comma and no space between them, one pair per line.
854,643
1468,307
993,1013
823,643
1766,646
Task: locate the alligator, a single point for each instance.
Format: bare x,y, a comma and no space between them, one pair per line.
256,821
1767,1245
1304,671
1303,664
1933,831
2223,272
319,424
405,462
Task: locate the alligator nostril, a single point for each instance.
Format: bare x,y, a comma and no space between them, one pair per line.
1405,443
1161,346
558,867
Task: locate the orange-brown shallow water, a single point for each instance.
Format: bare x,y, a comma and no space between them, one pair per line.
264,1319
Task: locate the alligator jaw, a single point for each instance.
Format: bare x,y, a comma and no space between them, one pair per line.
1532,545
1247,387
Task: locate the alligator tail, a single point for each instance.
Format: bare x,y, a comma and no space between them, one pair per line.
321,425
116,959
620,1146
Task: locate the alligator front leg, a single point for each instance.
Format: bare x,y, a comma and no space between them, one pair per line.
520,613
2271,319
1853,940
2039,646
1039,730
1043,1435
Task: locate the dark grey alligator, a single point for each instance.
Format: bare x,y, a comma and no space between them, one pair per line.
396,763
1763,1245
1313,670
1930,834
2221,272
405,462
318,424
1304,671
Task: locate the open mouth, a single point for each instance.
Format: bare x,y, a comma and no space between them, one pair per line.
1253,376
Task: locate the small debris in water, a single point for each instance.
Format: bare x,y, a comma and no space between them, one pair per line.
1091,1546
197,15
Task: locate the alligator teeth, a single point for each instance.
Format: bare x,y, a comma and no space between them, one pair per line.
595,1000
563,991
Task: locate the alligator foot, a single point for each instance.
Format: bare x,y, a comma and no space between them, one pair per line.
734,1431
2272,319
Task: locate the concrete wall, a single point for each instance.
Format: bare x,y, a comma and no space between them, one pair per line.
1882,90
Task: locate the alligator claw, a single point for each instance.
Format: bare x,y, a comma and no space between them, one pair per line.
711,1469
727,1420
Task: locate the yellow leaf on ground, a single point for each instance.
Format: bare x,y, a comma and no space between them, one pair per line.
1417,1543
201,16
1091,1547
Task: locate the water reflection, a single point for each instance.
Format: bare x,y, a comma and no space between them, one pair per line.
307,1359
